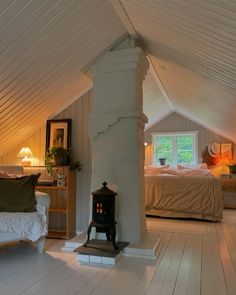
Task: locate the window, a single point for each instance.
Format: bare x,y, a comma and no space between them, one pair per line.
175,147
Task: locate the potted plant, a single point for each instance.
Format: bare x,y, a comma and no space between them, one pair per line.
232,168
162,161
59,156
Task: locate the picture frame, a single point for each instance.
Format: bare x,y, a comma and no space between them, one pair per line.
58,133
226,151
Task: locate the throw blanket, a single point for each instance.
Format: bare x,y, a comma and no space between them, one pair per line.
28,225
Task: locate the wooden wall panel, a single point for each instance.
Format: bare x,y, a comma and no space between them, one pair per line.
36,142
176,123
81,150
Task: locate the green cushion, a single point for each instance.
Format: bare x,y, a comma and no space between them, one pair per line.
18,194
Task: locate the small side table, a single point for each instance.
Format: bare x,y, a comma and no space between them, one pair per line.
228,185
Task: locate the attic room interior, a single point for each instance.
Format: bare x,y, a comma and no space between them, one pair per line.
139,95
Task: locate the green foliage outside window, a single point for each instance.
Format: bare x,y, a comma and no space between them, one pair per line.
184,147
175,148
163,149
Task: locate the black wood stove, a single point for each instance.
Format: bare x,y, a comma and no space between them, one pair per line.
103,218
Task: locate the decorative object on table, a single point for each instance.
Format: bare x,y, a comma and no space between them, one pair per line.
58,133
226,151
61,180
26,154
232,169
59,156
162,161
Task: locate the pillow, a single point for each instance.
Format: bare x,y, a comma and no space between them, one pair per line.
193,166
187,172
154,170
16,175
170,171
18,194
4,174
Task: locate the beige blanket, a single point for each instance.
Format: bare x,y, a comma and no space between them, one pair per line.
183,196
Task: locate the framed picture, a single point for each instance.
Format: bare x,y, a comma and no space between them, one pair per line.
226,151
58,133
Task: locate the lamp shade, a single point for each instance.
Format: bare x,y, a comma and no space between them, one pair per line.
25,153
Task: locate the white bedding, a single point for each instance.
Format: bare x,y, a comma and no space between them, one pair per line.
28,225
184,196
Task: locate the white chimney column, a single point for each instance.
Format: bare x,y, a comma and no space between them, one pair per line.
117,133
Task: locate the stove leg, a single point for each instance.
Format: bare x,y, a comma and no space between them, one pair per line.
108,234
88,234
113,237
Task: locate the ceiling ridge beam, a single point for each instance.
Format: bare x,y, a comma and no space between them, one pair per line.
159,83
121,12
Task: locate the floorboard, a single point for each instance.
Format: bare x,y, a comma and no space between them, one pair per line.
196,258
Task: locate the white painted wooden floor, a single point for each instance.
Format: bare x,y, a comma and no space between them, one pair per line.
197,258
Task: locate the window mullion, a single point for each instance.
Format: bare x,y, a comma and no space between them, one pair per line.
174,150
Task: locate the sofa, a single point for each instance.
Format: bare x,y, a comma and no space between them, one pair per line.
15,226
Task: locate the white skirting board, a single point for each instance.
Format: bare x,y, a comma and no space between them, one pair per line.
75,242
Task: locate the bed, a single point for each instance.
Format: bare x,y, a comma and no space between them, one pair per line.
181,195
15,226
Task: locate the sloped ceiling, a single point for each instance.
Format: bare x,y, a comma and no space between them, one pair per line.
155,105
192,46
44,46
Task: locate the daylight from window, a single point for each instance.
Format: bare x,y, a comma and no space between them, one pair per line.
175,148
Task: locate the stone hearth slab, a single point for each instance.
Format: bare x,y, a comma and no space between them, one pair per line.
99,251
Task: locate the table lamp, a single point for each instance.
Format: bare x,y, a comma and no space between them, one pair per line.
26,154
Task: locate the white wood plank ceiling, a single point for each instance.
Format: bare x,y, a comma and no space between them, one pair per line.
155,106
44,45
192,46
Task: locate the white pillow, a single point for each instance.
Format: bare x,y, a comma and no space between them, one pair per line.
4,174
192,166
187,172
154,170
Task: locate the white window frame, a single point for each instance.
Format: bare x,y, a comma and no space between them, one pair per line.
174,134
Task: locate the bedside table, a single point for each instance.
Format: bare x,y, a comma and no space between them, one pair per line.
228,185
